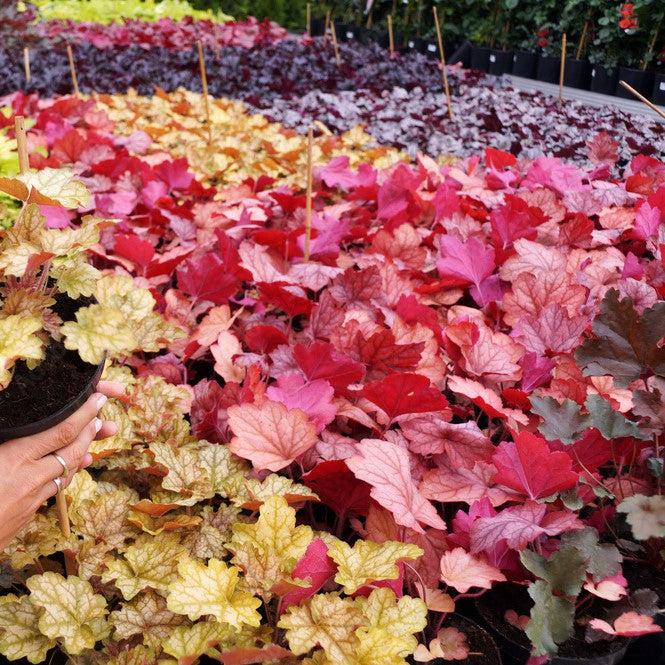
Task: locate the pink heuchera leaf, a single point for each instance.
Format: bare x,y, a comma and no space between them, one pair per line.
519,525
385,466
629,624
527,465
56,217
463,571
316,566
647,222
603,149
470,260
552,331
175,174
270,435
611,588
336,173
312,397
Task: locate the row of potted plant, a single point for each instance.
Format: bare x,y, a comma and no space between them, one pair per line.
608,42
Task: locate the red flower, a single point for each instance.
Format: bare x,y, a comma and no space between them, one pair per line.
543,32
542,43
627,9
627,23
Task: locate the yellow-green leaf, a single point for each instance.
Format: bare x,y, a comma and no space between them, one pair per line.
19,631
18,340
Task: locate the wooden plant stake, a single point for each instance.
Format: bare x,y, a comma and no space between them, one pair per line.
309,19
204,85
582,44
442,56
26,63
391,36
326,28
643,99
72,70
562,70
333,31
308,208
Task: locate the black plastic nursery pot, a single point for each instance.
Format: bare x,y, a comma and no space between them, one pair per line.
641,80
500,62
578,74
461,54
525,64
41,398
603,80
482,648
514,644
549,69
429,47
480,58
412,45
658,95
318,26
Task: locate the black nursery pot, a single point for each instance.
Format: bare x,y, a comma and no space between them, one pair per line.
429,47
549,69
514,644
525,64
346,32
41,398
658,95
603,80
500,62
640,80
318,25
412,45
578,74
479,640
480,58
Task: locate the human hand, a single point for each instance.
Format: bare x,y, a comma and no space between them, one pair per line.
28,466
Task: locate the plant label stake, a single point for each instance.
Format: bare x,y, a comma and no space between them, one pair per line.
442,56
308,208
643,99
562,70
24,167
333,31
309,19
582,44
204,86
26,63
72,70
391,36
326,28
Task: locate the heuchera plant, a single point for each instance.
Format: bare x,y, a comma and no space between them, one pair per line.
287,480
39,263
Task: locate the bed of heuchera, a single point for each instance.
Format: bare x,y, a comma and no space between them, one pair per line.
461,387
399,101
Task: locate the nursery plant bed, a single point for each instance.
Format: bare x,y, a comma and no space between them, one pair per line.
515,644
40,398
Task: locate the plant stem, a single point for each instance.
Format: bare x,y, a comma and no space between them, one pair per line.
652,45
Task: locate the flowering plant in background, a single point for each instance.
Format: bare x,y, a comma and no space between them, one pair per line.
628,19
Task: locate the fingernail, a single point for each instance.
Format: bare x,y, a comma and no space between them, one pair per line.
101,400
98,425
87,460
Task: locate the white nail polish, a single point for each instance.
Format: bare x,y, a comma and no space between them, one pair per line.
98,425
101,400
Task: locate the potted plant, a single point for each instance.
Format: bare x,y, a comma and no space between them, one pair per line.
659,80
532,32
578,21
60,319
501,56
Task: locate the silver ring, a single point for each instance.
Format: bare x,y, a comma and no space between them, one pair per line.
58,484
63,464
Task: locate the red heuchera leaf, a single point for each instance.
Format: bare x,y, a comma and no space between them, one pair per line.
320,360
174,173
282,298
527,465
206,279
131,247
399,394
338,488
411,311
264,339
354,286
382,356
385,466
519,525
498,159
312,397
316,566
269,434
514,220
603,149
397,199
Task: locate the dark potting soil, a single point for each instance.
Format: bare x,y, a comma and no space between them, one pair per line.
493,605
36,394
